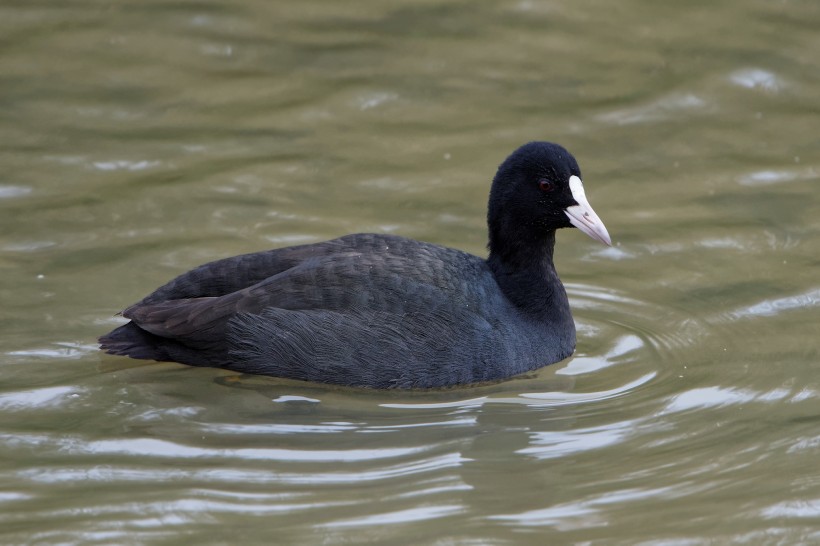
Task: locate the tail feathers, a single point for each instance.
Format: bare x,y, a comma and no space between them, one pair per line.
131,340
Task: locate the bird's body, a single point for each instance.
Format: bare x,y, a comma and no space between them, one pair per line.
376,310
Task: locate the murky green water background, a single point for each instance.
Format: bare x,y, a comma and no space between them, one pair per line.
139,139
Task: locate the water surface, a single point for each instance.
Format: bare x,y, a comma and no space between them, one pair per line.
141,139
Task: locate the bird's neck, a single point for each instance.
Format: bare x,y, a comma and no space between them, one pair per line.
526,274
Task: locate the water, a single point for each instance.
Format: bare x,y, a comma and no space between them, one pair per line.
141,139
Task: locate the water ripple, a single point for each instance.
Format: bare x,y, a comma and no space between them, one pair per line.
585,513
37,399
658,110
399,516
532,399
63,350
757,78
793,509
715,397
150,447
116,474
9,192
769,177
555,444
776,306
276,428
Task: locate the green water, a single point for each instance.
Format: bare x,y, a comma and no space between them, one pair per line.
140,139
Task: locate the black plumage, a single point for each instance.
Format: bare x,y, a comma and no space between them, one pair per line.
384,311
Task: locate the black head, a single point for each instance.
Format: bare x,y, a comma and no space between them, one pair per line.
537,190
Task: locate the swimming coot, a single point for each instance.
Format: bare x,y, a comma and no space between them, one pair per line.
381,311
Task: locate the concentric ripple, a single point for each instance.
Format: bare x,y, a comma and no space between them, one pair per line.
289,450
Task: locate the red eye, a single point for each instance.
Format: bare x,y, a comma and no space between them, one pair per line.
546,185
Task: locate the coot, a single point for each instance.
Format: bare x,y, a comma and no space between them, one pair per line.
381,311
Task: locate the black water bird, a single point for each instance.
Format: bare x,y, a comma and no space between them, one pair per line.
383,311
